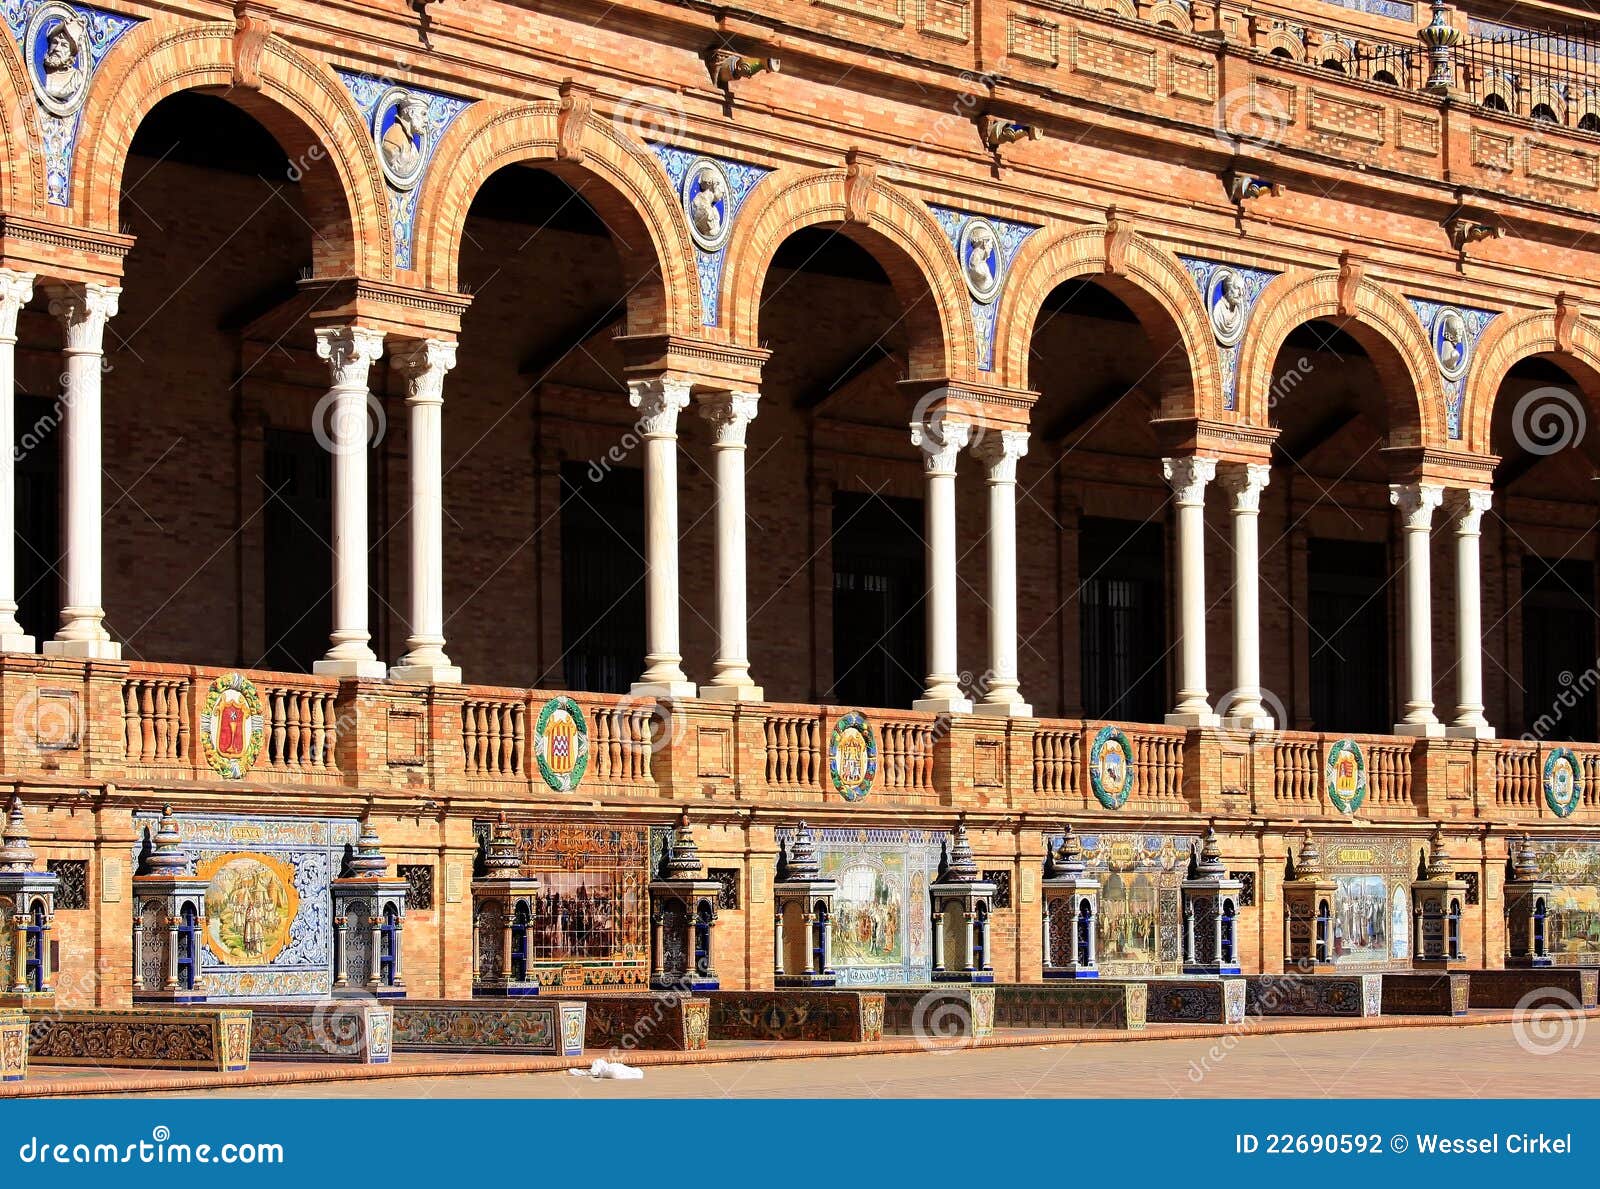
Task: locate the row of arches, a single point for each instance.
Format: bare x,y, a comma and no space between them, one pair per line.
301,103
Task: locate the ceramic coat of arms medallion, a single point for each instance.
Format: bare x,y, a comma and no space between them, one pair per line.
561,744
1111,768
233,726
1346,776
1563,782
852,756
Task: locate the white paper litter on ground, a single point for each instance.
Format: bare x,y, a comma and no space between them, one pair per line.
615,1070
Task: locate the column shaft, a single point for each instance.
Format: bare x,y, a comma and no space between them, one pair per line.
84,311
16,290
342,424
659,403
1416,502
1470,723
1245,710
942,441
730,414
1188,477
424,366
1002,695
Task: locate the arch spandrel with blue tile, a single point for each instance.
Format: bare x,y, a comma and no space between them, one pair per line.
713,191
1453,332
986,248
407,124
62,47
1230,293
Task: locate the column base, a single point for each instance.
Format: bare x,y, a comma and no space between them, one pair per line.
732,693
1207,718
1419,730
426,674
943,705
1469,731
99,650
1004,710
1250,722
373,670
18,643
663,689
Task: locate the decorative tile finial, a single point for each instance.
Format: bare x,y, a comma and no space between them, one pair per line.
367,861
800,862
1310,863
502,860
1524,863
167,856
962,867
1438,860
1210,865
685,860
1068,857
16,854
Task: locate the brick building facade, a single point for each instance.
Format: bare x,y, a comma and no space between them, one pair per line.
1230,341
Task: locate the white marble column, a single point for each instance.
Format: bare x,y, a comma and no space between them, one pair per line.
424,365
1468,508
659,402
1416,502
1245,483
730,414
1188,477
84,311
999,450
16,291
350,352
941,441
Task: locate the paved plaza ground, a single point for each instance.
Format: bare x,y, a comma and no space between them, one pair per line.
1448,1062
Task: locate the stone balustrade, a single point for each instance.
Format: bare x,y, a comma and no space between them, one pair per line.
141,725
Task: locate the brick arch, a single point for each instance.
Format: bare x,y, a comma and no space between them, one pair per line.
22,174
301,102
1508,341
899,232
621,180
1147,279
1380,320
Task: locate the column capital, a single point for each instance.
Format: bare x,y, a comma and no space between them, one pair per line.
83,311
1416,502
1468,506
941,440
424,364
999,450
349,352
1188,477
1245,482
16,291
730,415
659,402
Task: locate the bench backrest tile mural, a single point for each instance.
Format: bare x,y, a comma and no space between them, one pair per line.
1372,905
591,925
269,905
1572,929
882,911
1141,900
